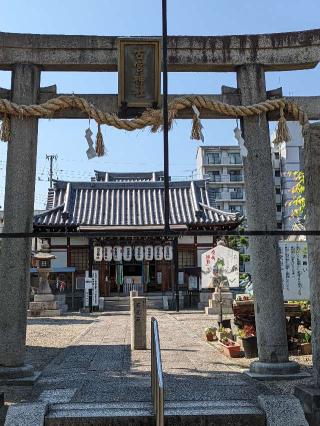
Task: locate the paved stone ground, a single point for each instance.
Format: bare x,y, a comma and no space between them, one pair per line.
88,359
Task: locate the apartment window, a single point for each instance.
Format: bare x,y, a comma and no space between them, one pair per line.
235,158
79,258
278,207
186,259
235,175
213,158
215,176
277,155
236,194
277,173
278,191
279,225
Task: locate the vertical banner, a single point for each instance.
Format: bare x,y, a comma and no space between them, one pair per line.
294,269
91,283
87,287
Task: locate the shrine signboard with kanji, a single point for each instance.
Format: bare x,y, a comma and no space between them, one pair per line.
294,269
139,73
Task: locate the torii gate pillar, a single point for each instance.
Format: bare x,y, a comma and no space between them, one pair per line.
261,215
18,217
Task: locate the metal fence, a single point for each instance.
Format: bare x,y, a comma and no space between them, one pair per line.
156,374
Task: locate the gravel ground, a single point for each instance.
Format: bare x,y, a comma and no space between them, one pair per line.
48,337
196,322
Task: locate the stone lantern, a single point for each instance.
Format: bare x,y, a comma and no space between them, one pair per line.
45,303
43,264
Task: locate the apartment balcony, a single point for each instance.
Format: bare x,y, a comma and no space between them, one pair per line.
278,199
228,196
225,178
224,160
279,216
236,195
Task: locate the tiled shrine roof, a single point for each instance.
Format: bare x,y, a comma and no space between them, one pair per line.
132,204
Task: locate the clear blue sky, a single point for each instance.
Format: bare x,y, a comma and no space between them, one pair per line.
142,150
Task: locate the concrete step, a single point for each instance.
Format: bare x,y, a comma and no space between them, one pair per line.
217,413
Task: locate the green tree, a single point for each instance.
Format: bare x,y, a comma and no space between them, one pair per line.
236,243
298,203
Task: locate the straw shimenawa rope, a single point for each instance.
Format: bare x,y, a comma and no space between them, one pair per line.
150,117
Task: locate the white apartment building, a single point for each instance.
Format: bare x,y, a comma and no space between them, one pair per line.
222,166
289,159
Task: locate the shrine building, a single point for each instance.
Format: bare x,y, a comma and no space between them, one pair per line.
129,207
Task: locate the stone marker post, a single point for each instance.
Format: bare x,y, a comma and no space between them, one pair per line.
18,217
133,293
310,396
138,323
261,215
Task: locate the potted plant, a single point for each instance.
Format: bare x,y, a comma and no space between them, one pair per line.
210,333
230,348
305,345
249,341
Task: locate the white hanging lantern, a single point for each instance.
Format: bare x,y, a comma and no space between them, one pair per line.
117,253
107,254
167,253
138,253
97,253
148,252
158,252
127,253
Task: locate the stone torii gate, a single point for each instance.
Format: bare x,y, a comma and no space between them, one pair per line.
26,55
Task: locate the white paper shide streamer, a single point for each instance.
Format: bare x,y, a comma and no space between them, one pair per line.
238,136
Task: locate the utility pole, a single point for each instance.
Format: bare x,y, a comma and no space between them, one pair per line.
51,158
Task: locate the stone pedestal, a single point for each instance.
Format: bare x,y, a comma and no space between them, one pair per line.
47,305
204,297
138,323
309,398
215,304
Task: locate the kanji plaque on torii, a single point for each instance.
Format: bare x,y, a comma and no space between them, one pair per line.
139,73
